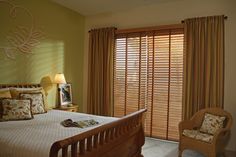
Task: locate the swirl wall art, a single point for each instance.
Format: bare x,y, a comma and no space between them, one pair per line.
20,39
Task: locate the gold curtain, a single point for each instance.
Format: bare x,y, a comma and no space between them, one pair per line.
203,64
100,71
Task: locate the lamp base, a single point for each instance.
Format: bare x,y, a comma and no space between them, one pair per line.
69,105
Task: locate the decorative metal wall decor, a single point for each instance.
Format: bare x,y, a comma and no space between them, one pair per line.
21,39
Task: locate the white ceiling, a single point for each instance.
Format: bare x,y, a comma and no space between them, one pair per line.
93,7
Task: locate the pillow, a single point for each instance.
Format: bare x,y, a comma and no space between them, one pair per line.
212,123
14,109
16,91
37,101
5,93
1,109
4,89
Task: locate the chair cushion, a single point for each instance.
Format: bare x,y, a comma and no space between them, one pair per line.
212,123
196,134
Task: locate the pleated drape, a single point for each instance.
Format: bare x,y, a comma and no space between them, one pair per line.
203,64
100,71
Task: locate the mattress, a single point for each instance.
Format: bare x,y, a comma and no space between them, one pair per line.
33,138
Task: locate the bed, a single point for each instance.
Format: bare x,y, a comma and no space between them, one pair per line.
44,136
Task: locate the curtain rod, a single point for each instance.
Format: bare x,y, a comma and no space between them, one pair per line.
144,29
225,17
107,27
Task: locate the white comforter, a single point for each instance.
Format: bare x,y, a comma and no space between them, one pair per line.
33,138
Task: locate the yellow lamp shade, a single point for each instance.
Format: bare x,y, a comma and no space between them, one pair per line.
60,78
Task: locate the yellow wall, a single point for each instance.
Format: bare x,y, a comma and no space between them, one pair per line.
172,13
61,50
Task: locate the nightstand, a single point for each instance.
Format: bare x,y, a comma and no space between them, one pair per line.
72,108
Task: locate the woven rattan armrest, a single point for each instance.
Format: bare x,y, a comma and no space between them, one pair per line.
221,133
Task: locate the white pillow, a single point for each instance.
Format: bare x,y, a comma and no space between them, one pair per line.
25,89
4,89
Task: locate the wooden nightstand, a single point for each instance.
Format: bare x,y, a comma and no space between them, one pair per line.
73,108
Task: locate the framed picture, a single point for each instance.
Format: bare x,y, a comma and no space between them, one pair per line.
65,94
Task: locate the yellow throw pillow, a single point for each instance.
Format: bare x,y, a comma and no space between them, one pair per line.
5,94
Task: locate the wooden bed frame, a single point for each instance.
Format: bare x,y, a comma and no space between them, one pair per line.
121,138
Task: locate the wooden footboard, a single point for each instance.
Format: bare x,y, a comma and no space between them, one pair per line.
120,138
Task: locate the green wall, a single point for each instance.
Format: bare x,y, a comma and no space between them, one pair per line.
60,51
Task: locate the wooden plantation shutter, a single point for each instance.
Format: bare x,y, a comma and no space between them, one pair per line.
165,76
130,74
148,72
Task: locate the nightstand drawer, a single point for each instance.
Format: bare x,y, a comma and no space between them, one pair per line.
73,108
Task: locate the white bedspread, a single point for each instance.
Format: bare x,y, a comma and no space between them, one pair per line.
33,138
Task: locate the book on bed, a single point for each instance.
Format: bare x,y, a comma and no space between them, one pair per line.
79,124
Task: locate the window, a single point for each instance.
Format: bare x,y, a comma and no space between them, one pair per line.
148,72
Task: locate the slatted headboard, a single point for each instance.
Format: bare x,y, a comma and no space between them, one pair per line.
20,85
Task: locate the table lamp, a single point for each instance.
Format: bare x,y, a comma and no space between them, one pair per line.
59,79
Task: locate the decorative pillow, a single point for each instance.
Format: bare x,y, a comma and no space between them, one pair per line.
212,123
1,109
15,92
4,93
14,109
37,102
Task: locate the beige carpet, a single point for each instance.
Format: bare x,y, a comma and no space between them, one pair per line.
161,148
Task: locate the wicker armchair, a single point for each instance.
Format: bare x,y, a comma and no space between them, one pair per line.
209,149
